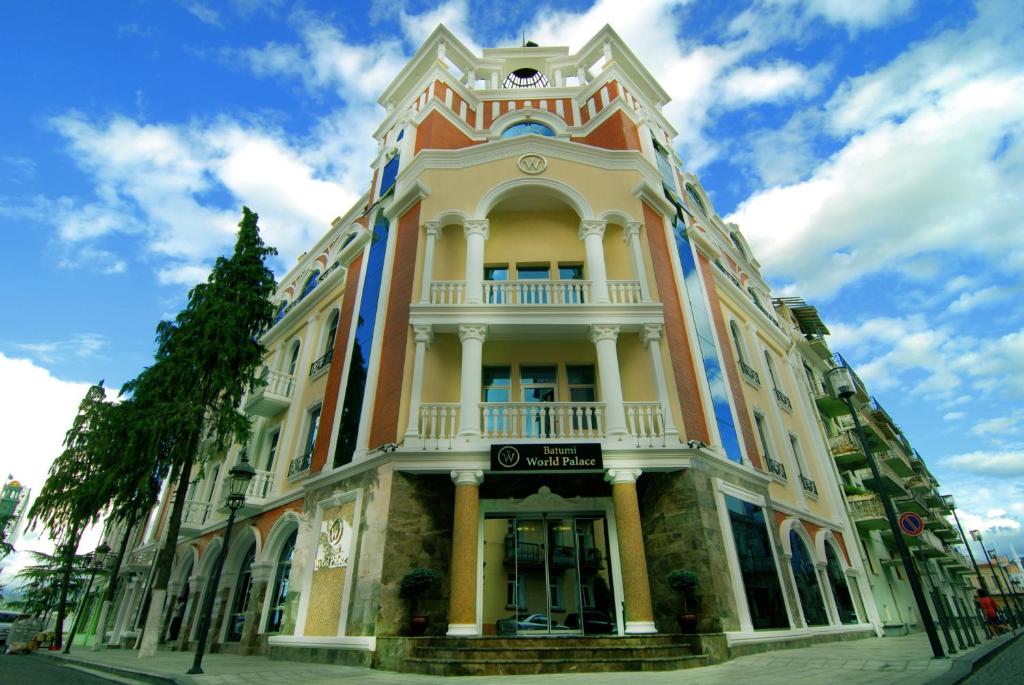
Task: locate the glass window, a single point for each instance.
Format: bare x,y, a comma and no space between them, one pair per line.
496,294
314,426
840,590
497,384
527,127
736,339
279,592
388,176
280,311
294,361
691,193
570,293
332,332
581,383
807,586
533,294
570,272
526,272
496,273
762,434
272,452
665,165
311,283
538,383
757,564
243,590
797,455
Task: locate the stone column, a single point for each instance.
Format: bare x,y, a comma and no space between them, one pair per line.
465,528
651,337
592,235
433,229
631,234
423,335
635,583
476,231
472,337
604,338
261,574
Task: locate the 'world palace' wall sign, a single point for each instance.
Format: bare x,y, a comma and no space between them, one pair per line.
547,458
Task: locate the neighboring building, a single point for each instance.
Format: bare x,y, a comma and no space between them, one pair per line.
13,505
533,359
1004,580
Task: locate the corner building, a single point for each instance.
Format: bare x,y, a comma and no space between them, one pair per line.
533,359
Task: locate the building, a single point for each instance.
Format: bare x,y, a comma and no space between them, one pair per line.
533,359
13,505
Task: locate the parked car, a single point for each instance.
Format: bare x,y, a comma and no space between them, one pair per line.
594,622
7,618
531,622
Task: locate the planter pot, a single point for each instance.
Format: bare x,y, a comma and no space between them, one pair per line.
418,625
687,623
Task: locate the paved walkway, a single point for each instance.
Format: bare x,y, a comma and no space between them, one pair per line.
898,660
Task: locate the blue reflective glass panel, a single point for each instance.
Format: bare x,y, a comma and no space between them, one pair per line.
526,127
311,283
387,177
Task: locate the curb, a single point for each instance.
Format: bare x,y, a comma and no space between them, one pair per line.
155,678
965,666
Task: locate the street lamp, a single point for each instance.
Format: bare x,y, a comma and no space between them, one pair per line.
843,386
238,483
95,565
951,504
1011,602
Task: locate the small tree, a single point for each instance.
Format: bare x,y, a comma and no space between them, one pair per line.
417,584
684,585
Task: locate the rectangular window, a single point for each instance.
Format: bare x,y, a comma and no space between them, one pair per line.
496,273
762,434
496,294
497,387
272,452
213,483
556,593
535,293
314,426
538,385
538,272
795,446
571,293
582,389
388,176
757,564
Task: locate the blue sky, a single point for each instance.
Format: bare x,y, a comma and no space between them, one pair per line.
870,150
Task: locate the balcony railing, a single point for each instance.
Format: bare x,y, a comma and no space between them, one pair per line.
781,398
260,486
809,485
867,512
194,514
535,292
273,397
300,463
646,423
542,419
318,367
750,374
438,424
776,468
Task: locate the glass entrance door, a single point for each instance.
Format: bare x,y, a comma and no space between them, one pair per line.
553,577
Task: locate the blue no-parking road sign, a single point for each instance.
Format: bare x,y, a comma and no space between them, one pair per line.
911,524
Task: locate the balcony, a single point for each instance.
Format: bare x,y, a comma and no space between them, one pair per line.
300,464
535,293
273,397
861,389
320,366
645,423
926,543
256,495
808,485
194,516
847,450
828,406
142,558
783,400
438,425
776,468
750,375
867,512
891,483
542,420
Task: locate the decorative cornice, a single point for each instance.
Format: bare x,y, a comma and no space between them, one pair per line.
477,227
423,334
470,331
600,333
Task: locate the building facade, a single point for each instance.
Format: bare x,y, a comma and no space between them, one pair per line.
533,359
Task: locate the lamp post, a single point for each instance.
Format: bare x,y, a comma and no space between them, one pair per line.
843,386
976,534
238,482
95,565
1011,600
951,503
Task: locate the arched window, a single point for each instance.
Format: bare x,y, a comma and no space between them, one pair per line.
739,246
807,586
737,340
771,369
332,332
293,361
691,193
243,589
279,592
311,282
527,127
281,311
840,590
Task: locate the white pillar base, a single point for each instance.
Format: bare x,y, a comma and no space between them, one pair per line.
640,628
462,630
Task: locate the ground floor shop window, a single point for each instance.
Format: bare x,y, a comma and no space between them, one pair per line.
807,586
243,590
279,594
840,589
757,564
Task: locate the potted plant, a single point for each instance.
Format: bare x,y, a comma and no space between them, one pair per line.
416,585
684,584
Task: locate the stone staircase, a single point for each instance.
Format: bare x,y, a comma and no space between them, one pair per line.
525,656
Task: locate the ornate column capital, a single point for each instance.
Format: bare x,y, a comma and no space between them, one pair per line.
477,227
472,331
599,333
423,334
616,476
467,477
631,230
591,227
651,333
433,228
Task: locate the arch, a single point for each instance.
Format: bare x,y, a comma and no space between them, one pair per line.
823,535
543,186
310,284
804,569
185,565
450,217
789,525
698,196
617,217
528,127
277,535
241,540
738,341
209,557
542,116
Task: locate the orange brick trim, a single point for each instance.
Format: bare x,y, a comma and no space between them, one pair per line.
263,522
675,329
384,428
339,362
616,133
730,364
437,133
842,545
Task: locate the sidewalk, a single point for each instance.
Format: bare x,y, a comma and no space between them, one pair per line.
903,660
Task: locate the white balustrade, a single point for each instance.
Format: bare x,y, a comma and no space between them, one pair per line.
279,383
438,424
544,420
195,512
535,292
447,292
260,486
646,423
625,292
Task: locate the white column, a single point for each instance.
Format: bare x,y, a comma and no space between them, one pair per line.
433,229
423,335
651,337
592,235
604,338
476,232
631,234
472,337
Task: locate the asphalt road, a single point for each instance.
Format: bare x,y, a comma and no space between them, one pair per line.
32,669
1007,668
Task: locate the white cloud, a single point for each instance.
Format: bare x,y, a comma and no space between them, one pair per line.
82,345
995,464
971,300
203,13
769,83
953,416
1000,425
858,14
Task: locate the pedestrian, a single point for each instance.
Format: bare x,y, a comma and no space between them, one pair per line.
988,607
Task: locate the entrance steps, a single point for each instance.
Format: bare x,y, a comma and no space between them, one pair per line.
525,656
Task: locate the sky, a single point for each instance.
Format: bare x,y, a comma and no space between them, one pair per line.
871,151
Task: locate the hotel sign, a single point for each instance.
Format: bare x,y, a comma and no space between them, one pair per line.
547,458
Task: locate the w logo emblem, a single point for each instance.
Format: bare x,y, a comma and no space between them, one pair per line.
532,164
